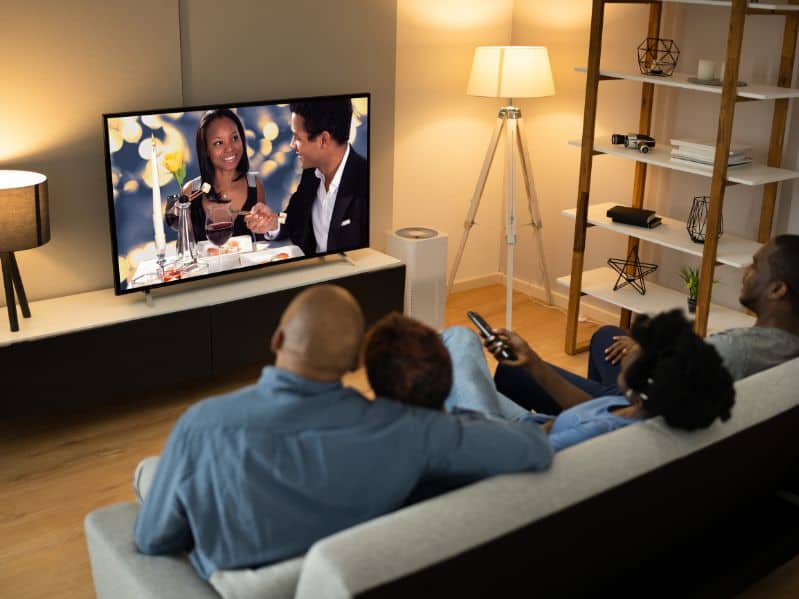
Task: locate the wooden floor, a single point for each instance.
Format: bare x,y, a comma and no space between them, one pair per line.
56,469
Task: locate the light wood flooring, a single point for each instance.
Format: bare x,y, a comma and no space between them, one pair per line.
54,469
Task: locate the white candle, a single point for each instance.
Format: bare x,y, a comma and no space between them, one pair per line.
158,220
706,70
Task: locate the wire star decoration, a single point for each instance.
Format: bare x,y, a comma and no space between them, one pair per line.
632,271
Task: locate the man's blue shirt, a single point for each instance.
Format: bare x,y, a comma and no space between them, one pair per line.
258,475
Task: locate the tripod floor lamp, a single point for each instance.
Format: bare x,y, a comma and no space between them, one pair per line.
509,72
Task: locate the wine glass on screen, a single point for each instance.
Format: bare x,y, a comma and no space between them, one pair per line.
218,224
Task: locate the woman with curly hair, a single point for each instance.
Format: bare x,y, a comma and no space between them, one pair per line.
671,373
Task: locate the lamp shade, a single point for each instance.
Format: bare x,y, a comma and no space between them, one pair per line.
511,72
24,214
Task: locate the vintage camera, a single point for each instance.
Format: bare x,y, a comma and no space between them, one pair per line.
634,141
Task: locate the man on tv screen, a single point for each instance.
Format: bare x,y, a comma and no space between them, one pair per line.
330,210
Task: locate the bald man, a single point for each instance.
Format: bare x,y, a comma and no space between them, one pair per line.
258,475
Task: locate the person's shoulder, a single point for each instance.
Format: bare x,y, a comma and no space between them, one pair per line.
356,161
220,410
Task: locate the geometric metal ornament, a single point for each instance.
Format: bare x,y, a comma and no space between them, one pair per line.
658,56
632,270
697,220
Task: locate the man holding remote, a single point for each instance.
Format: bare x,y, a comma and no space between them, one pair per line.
770,288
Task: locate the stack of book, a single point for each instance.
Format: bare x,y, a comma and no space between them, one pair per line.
704,152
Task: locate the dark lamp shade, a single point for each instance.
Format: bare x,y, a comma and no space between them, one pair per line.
24,213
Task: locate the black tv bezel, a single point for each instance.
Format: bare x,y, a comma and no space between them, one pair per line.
266,265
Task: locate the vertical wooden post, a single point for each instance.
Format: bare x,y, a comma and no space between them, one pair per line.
719,181
584,187
778,122
644,126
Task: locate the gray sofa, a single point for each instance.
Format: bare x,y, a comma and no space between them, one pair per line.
623,499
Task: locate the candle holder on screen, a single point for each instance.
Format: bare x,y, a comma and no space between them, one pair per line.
697,219
658,56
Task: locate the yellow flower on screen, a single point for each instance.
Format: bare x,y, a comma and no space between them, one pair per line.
173,162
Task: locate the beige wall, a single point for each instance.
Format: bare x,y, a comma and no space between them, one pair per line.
256,50
441,134
63,65
66,63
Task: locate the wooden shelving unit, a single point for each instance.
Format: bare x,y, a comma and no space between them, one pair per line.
730,250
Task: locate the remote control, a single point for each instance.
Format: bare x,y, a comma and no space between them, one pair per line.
506,353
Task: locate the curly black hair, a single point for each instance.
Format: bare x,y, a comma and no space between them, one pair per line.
407,361
678,375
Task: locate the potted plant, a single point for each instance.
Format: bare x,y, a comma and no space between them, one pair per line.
690,276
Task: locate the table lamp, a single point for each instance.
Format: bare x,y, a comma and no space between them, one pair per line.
509,72
24,224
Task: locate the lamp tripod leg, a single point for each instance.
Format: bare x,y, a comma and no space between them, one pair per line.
17,278
8,284
532,207
510,217
475,203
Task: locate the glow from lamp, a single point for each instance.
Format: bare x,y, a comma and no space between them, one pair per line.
511,72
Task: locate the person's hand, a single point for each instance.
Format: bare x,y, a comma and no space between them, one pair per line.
261,218
622,344
525,355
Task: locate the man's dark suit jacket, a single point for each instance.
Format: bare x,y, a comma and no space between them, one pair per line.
349,225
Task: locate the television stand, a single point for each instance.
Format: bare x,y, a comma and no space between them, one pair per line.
101,347
347,258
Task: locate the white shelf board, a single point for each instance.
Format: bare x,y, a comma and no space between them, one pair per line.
747,174
84,311
732,250
728,4
680,80
599,283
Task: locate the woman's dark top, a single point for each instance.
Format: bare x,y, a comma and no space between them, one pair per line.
239,228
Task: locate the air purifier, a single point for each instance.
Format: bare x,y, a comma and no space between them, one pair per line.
424,252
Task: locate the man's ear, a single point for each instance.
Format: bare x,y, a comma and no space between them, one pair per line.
324,138
278,338
778,290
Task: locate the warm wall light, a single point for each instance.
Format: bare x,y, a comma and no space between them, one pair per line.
24,224
509,72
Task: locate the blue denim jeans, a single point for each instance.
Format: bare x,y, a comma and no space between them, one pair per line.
518,385
472,385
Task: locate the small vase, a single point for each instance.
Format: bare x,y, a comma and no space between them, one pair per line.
186,244
692,305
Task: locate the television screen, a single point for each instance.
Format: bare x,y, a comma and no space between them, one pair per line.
196,192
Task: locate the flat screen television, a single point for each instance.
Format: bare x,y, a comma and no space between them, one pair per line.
196,192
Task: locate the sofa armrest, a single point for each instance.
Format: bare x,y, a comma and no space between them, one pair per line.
121,572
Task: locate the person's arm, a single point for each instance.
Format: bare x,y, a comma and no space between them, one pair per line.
468,447
162,527
562,391
579,433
